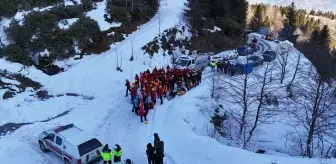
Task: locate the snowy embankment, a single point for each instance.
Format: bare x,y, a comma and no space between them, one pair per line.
108,116
183,126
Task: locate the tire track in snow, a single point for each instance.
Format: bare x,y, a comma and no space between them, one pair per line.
46,158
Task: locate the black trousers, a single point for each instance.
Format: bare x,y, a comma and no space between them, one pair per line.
161,100
116,159
159,160
151,161
127,90
141,118
107,162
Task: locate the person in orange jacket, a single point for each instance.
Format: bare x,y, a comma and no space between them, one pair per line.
142,112
153,95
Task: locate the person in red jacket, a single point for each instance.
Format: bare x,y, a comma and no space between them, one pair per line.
128,87
143,92
147,87
137,80
153,95
150,77
143,113
142,81
160,93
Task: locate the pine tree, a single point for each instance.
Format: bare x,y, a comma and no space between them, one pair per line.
267,22
291,15
256,21
325,36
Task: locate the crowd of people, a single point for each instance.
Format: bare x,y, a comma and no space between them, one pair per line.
154,153
223,66
159,83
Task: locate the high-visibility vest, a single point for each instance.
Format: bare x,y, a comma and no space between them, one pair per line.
118,153
106,156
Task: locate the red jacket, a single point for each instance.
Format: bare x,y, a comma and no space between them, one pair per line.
137,78
133,91
143,92
147,87
153,95
142,108
150,77
160,91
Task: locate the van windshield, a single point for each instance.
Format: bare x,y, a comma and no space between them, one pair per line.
88,146
182,63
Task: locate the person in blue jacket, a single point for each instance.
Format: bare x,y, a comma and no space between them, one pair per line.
136,104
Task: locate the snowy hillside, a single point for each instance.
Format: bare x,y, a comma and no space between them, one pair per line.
91,95
324,5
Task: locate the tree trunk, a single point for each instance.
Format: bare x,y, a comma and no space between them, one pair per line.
243,119
261,94
314,117
295,72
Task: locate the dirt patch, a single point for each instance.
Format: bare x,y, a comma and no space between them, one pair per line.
44,95
12,89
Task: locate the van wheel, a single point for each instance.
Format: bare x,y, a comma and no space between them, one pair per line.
42,147
66,161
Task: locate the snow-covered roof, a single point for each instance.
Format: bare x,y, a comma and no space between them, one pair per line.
75,135
79,138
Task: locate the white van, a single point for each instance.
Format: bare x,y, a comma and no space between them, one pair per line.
193,62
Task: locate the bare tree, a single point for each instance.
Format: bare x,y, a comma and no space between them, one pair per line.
215,88
263,88
237,88
315,117
284,50
296,70
159,23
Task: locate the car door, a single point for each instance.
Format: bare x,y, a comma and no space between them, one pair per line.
49,141
59,145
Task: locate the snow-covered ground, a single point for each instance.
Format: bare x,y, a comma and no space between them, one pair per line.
180,122
65,24
324,5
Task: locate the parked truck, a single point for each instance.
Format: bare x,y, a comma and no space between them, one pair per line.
193,62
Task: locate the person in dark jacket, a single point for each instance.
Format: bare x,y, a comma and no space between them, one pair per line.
159,149
150,153
117,152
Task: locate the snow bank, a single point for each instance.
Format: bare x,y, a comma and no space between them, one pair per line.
199,149
66,23
98,15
